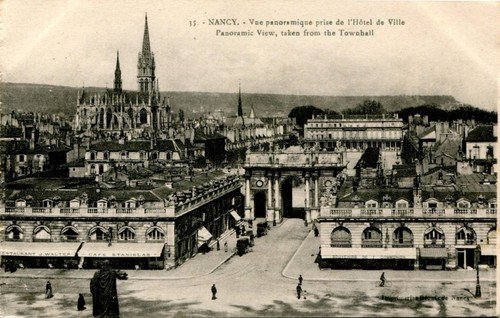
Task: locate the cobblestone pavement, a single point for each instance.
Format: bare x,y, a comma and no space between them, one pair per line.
253,285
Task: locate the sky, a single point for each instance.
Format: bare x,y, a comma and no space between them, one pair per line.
444,48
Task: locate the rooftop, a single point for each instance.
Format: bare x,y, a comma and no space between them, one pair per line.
481,133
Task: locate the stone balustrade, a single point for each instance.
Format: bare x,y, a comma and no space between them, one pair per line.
327,212
222,187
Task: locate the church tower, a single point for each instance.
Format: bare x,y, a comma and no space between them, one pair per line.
146,65
118,75
240,106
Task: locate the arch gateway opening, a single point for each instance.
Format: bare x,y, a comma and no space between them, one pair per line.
290,183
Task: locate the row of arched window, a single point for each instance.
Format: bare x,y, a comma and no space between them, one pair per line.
125,155
403,237
70,233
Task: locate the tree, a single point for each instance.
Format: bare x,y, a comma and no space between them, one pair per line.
368,107
303,113
435,113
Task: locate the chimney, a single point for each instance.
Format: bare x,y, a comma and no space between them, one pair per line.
32,140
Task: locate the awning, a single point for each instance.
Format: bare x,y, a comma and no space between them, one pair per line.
203,236
434,252
235,215
121,250
39,249
488,250
368,253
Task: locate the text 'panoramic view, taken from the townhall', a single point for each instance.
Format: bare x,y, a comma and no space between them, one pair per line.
248,159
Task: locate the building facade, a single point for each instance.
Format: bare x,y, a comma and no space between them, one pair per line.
355,132
434,225
149,229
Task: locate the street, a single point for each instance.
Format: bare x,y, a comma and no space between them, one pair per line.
253,285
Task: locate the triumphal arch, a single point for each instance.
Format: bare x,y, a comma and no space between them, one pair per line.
270,176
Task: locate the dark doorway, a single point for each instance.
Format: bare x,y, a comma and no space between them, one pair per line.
259,201
287,200
465,258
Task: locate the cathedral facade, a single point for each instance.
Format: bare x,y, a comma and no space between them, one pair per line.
116,111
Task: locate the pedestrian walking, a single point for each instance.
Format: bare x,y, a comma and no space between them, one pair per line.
300,279
299,291
382,279
48,290
218,245
316,231
225,247
214,292
81,303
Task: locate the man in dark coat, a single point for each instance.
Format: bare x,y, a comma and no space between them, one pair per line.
299,291
300,279
382,279
316,231
48,287
104,293
81,303
214,292
48,290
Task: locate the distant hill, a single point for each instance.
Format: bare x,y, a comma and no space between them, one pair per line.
62,100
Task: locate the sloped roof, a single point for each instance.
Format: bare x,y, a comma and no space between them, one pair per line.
93,194
429,133
164,145
11,132
369,159
136,145
379,195
247,121
199,135
481,133
404,171
449,146
446,169
22,147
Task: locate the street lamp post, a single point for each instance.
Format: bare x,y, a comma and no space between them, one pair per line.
477,251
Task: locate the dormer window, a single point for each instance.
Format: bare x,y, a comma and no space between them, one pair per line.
20,203
47,203
371,204
463,204
402,204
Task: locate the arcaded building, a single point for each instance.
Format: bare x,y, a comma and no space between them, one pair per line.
438,225
59,225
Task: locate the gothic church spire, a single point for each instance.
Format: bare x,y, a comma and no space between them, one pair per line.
118,74
146,48
240,107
